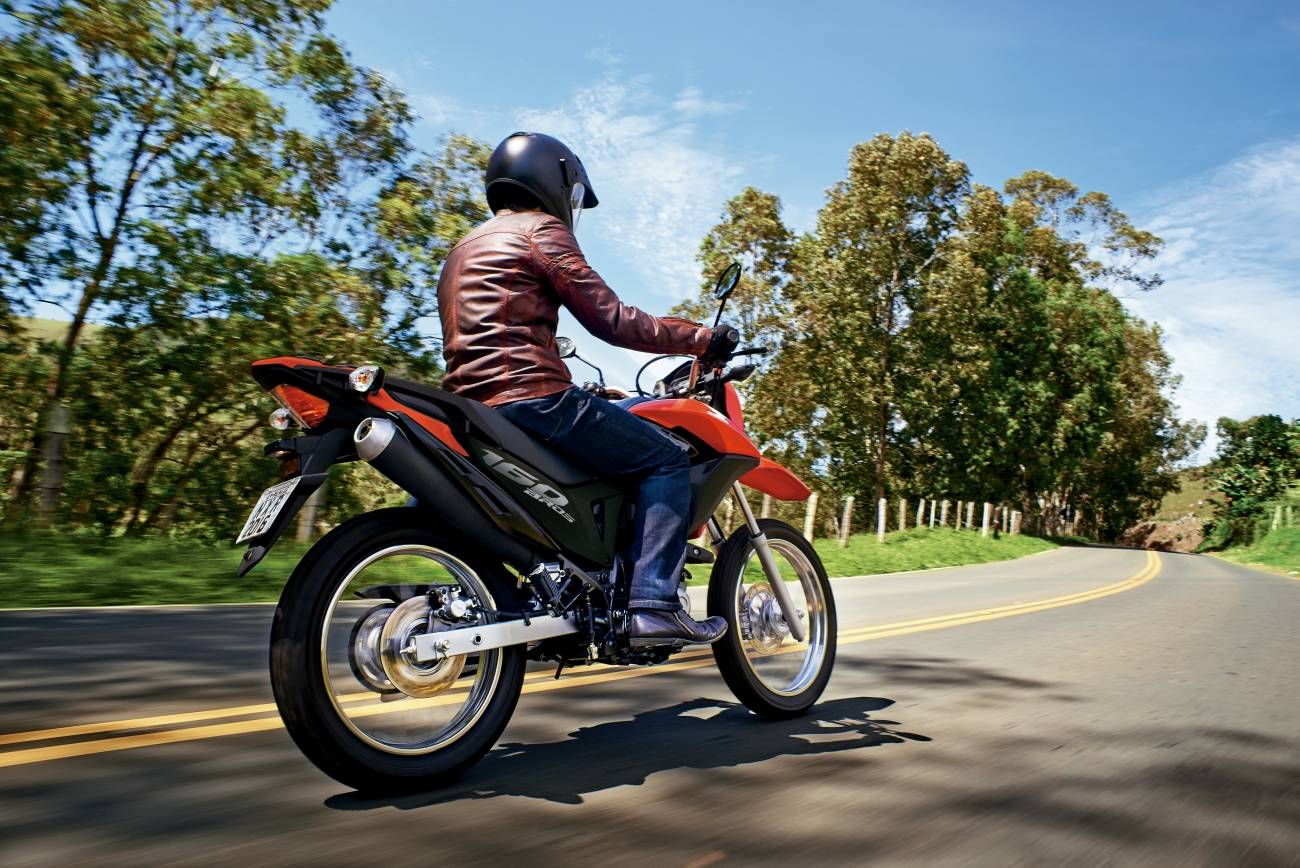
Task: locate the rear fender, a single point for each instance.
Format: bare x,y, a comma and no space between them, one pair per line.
315,455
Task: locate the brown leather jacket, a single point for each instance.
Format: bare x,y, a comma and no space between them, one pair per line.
499,298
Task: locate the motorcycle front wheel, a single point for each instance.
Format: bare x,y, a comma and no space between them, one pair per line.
773,675
363,711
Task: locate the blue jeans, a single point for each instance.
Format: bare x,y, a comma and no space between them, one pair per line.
607,439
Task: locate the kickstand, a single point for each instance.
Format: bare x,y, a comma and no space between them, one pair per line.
559,669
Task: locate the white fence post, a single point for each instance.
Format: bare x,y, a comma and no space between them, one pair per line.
931,513
1015,522
988,513
810,517
767,506
1277,517
920,512
1006,520
726,515
943,515
902,513
844,523
970,514
956,519
881,516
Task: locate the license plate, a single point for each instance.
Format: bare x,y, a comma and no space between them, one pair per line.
267,508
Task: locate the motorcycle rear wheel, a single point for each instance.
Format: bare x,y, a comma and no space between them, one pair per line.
774,676
331,703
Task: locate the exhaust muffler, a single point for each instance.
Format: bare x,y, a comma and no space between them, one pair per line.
382,445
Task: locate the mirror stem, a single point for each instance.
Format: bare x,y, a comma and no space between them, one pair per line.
600,377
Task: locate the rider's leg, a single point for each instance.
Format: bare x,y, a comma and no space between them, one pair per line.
609,440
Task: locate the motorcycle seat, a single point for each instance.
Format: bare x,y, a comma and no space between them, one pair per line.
477,419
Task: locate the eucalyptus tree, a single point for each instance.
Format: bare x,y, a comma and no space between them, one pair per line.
188,131
879,237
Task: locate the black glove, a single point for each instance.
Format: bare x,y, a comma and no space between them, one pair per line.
725,339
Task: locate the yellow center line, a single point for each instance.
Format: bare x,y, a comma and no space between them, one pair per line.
536,682
191,716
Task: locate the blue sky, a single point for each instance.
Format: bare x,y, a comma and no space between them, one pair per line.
1187,114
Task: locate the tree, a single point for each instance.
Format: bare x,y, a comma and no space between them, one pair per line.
752,233
1019,371
168,412
1257,461
878,238
184,148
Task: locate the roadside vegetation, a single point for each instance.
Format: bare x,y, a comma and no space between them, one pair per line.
1278,551
1254,489
42,569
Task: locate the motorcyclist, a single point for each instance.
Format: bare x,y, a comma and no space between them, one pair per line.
499,296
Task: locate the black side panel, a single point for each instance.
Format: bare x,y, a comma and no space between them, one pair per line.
584,518
710,482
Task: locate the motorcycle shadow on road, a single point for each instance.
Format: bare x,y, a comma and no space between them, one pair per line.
697,734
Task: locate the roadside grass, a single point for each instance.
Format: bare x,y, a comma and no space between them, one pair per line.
1277,551
38,570
85,570
915,549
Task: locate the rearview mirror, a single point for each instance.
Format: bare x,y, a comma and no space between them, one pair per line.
566,347
727,281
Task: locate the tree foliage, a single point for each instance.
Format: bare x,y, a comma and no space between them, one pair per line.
215,181
942,338
1257,461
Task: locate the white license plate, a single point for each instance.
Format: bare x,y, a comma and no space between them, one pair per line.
267,508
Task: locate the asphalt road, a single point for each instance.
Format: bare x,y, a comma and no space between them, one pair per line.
1084,706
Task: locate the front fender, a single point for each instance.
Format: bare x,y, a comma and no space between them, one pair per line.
771,478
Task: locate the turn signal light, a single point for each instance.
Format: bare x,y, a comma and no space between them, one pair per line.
307,409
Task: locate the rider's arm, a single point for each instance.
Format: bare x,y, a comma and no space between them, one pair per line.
594,304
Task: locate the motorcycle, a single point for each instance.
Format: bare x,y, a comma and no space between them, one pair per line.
400,642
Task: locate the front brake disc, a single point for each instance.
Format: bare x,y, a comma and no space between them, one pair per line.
761,626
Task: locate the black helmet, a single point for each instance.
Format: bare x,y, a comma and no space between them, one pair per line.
547,169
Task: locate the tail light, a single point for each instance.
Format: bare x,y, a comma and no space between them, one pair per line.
306,409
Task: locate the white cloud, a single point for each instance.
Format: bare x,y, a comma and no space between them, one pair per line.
603,54
691,103
1231,301
435,108
661,185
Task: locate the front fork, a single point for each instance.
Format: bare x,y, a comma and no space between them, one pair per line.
758,540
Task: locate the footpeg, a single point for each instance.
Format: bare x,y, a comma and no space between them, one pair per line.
698,554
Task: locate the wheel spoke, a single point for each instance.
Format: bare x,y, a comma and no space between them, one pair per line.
782,665
426,706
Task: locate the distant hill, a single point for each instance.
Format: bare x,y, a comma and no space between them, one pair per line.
1192,496
54,329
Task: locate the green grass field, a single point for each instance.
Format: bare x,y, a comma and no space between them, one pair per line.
55,329
1191,497
1278,551
83,570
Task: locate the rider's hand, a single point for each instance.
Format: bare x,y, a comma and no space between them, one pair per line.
725,339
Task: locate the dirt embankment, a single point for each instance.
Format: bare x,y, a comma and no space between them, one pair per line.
1181,535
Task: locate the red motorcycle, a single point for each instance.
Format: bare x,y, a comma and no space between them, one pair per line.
400,641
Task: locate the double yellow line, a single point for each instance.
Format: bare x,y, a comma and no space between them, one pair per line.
362,704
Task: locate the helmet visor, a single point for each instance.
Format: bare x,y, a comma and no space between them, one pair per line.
576,194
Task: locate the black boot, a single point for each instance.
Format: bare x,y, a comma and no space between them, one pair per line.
655,627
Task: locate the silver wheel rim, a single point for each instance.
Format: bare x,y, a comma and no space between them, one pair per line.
395,723
780,664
